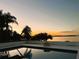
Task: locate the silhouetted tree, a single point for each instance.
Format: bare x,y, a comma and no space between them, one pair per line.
5,19
5,32
16,36
26,33
9,19
41,37
2,22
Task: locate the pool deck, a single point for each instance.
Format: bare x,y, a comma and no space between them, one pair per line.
61,48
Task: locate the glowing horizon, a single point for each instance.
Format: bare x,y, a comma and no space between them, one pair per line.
44,15
51,16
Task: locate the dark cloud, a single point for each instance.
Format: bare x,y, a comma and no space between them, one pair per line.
70,32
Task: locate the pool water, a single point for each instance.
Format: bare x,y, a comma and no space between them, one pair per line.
40,54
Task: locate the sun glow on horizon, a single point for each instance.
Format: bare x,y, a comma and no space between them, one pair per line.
51,33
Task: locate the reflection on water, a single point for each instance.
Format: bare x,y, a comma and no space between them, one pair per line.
22,52
40,54
15,52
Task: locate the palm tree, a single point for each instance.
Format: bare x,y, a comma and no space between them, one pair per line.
5,19
26,29
26,32
2,22
9,19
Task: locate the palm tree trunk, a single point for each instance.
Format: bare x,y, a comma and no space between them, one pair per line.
7,27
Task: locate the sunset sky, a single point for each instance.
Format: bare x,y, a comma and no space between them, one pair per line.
44,15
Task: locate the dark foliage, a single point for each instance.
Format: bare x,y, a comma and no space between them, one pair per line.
26,33
41,37
5,32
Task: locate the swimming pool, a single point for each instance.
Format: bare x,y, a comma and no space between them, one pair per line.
40,54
